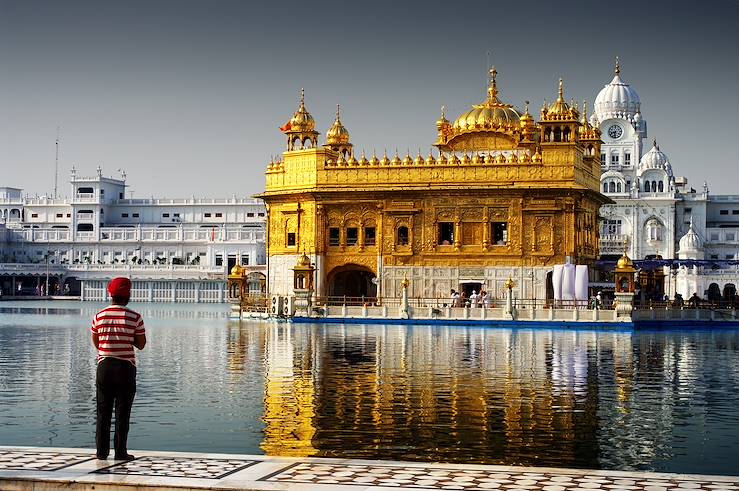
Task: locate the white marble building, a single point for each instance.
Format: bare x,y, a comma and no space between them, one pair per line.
653,208
173,249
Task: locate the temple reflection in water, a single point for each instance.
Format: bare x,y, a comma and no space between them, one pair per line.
565,398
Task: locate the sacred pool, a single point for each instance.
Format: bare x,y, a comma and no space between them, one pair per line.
648,400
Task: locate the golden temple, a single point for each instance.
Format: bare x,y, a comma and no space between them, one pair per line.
506,195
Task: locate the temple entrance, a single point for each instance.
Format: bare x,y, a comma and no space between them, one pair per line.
353,282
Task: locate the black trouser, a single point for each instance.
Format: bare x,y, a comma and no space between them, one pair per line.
116,387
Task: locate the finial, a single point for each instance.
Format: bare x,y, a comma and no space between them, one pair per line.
302,97
618,67
443,112
493,89
338,111
561,90
654,143
527,106
585,110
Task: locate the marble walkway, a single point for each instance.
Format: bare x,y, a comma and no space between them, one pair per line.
43,469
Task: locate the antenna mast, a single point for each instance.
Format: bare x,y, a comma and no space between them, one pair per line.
56,164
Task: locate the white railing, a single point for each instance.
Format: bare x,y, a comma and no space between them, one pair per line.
190,201
612,243
85,236
83,215
40,235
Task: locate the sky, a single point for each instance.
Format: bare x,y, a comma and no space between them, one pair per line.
187,97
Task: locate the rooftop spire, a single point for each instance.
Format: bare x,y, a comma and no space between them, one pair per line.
338,111
618,67
493,89
561,91
302,98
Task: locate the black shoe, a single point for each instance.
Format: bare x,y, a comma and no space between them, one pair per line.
125,456
102,457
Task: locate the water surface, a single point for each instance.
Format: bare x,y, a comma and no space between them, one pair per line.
663,400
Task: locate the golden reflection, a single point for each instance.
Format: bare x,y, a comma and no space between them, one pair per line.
429,393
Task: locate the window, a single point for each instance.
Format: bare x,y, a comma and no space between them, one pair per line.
602,159
219,259
124,215
729,256
176,215
688,210
165,215
60,215
446,233
618,187
714,256
714,235
611,187
69,215
218,215
333,236
84,227
250,215
369,236
260,214
627,158
500,233
647,187
102,192
207,215
612,227
605,187
402,236
628,186
34,215
245,259
120,195
291,239
352,236
660,186
735,212
723,212
135,215
614,159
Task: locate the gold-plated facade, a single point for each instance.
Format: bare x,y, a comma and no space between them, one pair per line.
504,192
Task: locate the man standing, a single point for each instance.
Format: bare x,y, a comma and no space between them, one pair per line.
116,330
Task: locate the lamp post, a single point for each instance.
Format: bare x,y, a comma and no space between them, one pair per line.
509,284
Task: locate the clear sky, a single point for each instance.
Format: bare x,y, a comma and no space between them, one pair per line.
187,97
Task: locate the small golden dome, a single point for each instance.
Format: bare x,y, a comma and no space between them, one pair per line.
500,158
419,159
303,261
352,160
430,159
442,121
491,114
489,159
442,159
537,156
624,262
385,160
363,160
512,158
454,160
237,270
466,159
560,109
302,120
337,134
396,160
407,160
374,160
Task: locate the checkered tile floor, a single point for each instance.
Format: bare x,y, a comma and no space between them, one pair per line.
39,461
465,479
178,467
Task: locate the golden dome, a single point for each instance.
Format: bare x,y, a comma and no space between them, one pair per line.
337,134
302,120
303,261
237,270
624,262
442,121
560,109
491,114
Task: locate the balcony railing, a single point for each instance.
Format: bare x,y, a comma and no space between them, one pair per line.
612,243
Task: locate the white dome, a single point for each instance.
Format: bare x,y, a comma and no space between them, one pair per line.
617,100
691,241
655,159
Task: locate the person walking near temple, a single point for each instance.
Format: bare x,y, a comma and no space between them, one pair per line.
116,330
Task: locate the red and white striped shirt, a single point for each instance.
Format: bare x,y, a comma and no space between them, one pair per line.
116,327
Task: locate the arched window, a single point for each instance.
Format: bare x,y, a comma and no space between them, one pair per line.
557,134
611,187
661,186
654,186
618,187
605,187
646,187
402,236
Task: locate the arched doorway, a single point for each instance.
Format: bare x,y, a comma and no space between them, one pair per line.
353,282
256,283
550,288
729,292
714,293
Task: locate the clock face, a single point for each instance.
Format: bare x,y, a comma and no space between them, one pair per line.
615,131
